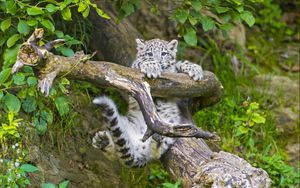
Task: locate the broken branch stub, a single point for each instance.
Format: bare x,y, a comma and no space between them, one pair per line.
107,74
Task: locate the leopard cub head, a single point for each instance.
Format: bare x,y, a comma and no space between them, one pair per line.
158,50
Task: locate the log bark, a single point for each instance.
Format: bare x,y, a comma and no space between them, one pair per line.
189,159
192,161
107,74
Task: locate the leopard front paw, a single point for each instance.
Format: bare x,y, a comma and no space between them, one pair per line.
151,69
193,70
196,72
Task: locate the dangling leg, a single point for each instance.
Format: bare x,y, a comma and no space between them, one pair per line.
103,141
123,133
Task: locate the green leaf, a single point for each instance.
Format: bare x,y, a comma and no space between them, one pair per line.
236,17
66,51
28,69
101,13
48,25
128,8
40,125
28,168
59,34
243,129
62,105
193,20
257,118
32,22
72,41
81,6
4,74
10,55
221,9
207,23
32,11
31,91
1,94
225,17
19,79
86,12
237,2
48,185
136,3
226,27
64,81
190,37
240,9
170,185
154,9
23,27
47,116
11,7
3,40
12,40
251,142
51,8
12,103
63,184
29,104
5,24
182,16
31,81
248,18
66,14
196,4
22,94
254,106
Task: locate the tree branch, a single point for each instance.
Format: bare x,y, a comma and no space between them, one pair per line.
122,78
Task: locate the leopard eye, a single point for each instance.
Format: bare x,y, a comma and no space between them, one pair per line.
164,53
149,53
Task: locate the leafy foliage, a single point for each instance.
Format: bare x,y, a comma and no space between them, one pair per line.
63,184
242,118
126,7
158,175
222,15
18,93
190,14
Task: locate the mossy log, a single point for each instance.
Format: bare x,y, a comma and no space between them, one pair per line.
189,159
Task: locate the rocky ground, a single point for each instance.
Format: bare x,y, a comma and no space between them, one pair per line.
284,94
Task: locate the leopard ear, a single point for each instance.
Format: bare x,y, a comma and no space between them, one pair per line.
140,44
173,45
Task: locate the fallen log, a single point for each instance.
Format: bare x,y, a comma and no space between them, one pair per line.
189,159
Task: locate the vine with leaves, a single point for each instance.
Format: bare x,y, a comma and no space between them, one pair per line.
18,93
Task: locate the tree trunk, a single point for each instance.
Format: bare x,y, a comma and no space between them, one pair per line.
189,159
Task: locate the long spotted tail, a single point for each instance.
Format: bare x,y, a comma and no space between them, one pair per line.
109,111
119,135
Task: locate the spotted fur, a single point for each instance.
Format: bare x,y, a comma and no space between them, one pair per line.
124,134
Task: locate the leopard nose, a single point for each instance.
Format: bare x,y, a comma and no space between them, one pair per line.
157,56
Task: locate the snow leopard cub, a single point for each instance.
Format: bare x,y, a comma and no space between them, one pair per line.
124,135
